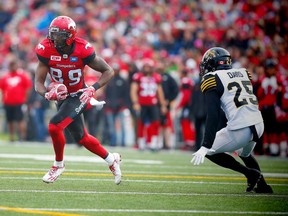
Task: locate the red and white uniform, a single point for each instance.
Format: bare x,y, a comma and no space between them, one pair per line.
14,86
148,85
63,68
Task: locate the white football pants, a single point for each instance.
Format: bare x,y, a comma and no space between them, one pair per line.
236,140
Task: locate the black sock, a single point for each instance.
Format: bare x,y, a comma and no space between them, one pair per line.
251,162
227,161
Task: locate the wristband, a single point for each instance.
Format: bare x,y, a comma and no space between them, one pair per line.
96,86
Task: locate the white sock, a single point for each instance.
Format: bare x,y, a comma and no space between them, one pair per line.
58,163
110,159
141,143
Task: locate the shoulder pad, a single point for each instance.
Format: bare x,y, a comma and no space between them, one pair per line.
136,76
84,47
157,77
208,82
43,47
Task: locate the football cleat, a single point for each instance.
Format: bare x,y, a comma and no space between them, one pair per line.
115,168
252,179
263,189
262,186
53,174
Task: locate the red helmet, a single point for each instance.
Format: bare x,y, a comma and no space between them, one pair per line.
62,31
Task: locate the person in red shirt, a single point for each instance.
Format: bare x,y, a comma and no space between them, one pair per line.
281,111
63,56
15,86
187,126
146,93
266,94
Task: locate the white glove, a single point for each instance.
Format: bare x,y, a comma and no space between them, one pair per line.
198,157
98,104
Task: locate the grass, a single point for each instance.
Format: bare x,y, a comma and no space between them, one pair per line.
163,183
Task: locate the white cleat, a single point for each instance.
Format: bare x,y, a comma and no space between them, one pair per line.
53,174
115,168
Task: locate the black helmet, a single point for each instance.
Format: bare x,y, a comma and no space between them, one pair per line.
215,58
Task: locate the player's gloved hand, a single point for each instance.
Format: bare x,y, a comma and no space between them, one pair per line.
198,157
87,94
58,92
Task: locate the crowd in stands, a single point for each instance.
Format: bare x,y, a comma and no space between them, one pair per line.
174,32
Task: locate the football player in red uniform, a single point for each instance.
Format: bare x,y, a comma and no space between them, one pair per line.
63,56
146,93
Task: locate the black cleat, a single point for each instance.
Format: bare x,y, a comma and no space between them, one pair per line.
252,179
263,189
262,186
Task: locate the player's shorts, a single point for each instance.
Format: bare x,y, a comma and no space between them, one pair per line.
236,140
14,113
150,114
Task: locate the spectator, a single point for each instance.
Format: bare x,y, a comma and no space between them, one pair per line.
187,126
266,94
198,111
117,99
281,111
15,86
170,90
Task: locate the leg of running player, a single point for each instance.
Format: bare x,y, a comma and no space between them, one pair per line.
80,134
230,141
250,161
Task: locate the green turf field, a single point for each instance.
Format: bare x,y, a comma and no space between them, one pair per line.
163,183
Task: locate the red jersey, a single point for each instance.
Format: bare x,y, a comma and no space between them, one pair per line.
147,91
284,99
67,69
14,86
186,86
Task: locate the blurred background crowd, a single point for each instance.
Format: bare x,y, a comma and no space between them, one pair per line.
174,34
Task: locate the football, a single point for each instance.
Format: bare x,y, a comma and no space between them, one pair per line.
60,87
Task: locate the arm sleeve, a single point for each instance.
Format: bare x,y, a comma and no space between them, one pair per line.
43,59
89,58
213,89
213,111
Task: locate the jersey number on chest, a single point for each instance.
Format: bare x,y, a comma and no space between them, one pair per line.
74,76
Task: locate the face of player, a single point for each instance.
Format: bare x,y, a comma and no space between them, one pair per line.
147,69
59,39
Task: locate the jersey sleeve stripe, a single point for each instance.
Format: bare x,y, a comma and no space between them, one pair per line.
207,84
249,75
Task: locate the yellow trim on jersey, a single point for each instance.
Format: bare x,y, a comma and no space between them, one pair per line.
208,83
249,75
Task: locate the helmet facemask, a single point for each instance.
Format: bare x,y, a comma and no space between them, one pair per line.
215,58
58,37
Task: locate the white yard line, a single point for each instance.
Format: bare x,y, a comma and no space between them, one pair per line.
137,181
145,193
44,157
